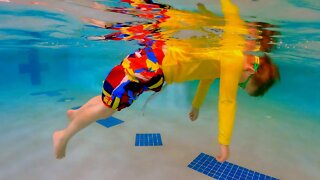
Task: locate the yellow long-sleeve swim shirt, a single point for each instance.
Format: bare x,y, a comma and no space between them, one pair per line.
197,59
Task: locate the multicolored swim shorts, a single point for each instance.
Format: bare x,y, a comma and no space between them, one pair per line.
140,71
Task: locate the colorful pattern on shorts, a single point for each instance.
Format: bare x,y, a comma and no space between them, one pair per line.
140,71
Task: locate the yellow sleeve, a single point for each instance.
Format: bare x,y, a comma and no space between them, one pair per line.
201,93
230,70
229,79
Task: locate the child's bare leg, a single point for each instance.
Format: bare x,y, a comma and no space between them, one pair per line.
72,113
93,110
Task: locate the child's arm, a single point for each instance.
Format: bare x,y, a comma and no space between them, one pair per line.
229,78
230,71
201,93
198,99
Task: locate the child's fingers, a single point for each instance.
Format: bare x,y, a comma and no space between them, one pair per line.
221,159
191,116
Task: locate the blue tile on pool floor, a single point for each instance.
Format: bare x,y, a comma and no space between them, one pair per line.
110,122
209,166
151,139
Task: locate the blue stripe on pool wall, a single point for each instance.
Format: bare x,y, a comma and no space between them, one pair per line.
209,166
151,139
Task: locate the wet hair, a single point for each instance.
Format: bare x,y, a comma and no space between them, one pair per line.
265,77
268,36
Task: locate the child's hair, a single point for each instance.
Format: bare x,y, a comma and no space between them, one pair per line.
268,36
266,75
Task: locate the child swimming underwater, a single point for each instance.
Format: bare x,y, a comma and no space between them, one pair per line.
175,61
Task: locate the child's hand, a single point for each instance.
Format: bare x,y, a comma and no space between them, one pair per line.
193,115
224,153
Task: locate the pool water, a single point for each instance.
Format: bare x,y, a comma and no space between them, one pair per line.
48,65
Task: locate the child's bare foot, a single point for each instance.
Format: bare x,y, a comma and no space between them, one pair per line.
59,144
71,114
